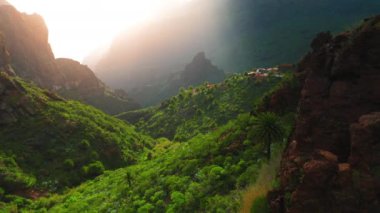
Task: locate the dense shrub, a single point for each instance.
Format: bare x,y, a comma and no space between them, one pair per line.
93,169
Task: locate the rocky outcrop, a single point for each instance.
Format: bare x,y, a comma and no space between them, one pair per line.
332,163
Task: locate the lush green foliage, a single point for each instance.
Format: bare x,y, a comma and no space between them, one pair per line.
49,149
201,109
206,174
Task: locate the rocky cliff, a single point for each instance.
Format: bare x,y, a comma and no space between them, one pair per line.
26,49
331,163
26,38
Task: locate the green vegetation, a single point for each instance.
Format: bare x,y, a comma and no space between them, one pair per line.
219,155
206,174
62,144
201,109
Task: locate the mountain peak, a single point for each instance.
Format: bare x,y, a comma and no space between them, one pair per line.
201,69
201,56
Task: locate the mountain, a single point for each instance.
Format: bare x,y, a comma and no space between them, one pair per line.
26,40
200,70
237,35
158,48
332,161
290,138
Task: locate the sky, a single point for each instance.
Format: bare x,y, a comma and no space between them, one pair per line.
79,27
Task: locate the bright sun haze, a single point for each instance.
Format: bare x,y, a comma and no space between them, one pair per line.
78,27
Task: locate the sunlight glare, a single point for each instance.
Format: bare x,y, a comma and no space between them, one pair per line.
77,27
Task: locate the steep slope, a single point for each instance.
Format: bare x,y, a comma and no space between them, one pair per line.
48,143
201,109
26,38
200,70
331,163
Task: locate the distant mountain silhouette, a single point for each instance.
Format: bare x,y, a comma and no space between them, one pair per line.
200,70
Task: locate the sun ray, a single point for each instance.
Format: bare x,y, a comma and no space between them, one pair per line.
77,27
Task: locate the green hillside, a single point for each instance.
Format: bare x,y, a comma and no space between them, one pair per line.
206,174
201,109
47,143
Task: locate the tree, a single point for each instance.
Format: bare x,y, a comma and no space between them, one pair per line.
268,128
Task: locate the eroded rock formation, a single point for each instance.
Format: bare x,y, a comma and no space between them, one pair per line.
332,161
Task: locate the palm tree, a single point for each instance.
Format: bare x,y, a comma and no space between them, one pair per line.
268,128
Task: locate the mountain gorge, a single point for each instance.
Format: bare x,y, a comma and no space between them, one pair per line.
286,138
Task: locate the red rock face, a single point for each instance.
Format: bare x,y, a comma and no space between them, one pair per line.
333,162
26,38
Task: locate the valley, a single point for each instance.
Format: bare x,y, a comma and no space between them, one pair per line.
276,137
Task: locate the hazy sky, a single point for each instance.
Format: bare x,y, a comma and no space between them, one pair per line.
78,27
